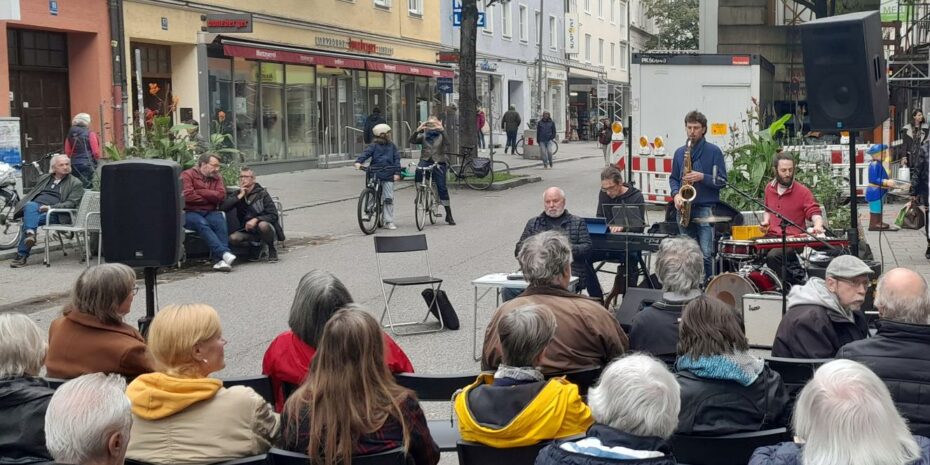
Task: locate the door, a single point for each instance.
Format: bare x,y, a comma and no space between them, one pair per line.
41,102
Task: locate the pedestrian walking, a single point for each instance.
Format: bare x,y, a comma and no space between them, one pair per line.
510,123
545,134
82,146
481,122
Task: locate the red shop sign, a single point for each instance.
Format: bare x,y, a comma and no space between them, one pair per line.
292,57
408,69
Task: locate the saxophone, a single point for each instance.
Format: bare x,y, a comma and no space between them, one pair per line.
687,191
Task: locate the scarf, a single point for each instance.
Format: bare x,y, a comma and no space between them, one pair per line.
431,135
741,367
518,373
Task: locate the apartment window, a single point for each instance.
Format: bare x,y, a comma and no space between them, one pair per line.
613,55
488,17
383,3
415,7
600,9
553,33
538,25
623,56
587,48
587,6
524,23
600,51
507,19
613,11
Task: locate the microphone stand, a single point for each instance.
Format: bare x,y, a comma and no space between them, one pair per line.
785,223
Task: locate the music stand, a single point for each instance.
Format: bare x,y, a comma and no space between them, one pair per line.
630,217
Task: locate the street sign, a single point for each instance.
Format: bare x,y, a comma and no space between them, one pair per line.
447,57
444,85
602,90
457,18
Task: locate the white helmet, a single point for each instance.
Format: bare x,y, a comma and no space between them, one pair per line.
380,129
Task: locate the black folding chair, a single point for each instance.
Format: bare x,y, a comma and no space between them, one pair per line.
261,459
55,383
392,457
260,384
795,372
471,453
406,244
438,388
583,377
731,449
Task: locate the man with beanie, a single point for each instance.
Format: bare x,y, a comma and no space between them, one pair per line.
825,314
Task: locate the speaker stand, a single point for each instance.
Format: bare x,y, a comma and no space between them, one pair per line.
150,283
853,200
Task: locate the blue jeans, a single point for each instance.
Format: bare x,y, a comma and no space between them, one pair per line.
511,142
211,227
439,176
480,139
32,219
545,152
704,235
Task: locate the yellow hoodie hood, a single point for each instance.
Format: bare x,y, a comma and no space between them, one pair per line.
156,395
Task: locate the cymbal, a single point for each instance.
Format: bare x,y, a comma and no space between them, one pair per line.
712,219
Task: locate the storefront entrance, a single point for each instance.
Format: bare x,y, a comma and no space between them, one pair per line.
336,113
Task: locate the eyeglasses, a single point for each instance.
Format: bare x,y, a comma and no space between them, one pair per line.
863,283
135,290
608,189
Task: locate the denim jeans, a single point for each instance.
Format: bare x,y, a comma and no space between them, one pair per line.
703,233
480,139
387,199
511,142
211,227
32,219
545,152
439,176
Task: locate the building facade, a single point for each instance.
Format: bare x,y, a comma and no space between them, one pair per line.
58,64
296,90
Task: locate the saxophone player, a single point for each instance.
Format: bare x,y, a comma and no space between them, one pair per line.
704,158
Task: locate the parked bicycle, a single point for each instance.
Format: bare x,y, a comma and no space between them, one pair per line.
521,142
427,199
11,228
370,209
477,172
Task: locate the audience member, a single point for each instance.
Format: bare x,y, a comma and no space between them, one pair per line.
899,353
635,407
586,334
845,416
56,189
824,315
680,269
724,388
88,421
350,404
256,215
515,406
90,336
287,359
23,397
203,190
180,414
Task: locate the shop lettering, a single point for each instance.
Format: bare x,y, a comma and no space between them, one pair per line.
236,23
265,54
354,45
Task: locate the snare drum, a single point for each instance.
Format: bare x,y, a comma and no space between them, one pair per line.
731,287
737,250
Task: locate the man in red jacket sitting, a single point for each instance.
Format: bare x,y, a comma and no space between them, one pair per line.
203,192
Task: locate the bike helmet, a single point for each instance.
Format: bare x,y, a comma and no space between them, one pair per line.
380,129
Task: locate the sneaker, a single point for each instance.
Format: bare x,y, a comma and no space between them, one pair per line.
272,254
390,226
222,266
19,261
30,239
229,258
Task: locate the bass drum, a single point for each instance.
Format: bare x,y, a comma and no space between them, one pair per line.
731,287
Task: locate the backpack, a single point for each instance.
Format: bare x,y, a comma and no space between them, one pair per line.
442,304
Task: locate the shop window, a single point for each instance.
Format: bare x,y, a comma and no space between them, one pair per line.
272,115
245,102
220,87
302,112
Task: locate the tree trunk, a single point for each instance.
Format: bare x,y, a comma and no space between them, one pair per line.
468,132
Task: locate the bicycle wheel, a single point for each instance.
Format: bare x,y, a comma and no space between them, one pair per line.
556,149
421,208
9,229
476,182
432,203
520,144
368,213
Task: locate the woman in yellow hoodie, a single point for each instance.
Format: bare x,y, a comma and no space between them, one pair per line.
516,406
180,414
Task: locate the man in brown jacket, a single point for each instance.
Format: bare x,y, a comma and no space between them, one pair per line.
203,190
586,335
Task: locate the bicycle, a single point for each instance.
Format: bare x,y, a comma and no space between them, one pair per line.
477,172
522,141
370,209
426,199
11,228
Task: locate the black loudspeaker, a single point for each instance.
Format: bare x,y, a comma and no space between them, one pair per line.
845,70
635,299
141,212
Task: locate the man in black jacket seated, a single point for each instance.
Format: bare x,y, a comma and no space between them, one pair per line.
824,315
615,192
257,215
899,353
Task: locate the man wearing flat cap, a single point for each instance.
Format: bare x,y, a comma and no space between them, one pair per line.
824,314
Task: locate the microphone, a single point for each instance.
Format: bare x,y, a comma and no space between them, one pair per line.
717,179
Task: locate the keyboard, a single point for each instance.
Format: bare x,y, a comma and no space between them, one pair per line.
768,243
612,246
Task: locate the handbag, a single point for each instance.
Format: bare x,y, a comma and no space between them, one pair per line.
441,305
913,217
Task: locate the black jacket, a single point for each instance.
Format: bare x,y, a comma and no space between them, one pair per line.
257,204
900,355
609,437
631,196
23,402
576,230
654,330
919,171
373,120
713,407
812,331
545,130
511,121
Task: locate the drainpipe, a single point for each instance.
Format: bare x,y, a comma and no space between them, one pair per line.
119,95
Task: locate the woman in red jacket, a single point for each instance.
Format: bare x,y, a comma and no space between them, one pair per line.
287,360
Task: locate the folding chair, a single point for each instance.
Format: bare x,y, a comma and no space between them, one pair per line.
260,384
84,220
406,244
55,383
392,457
795,372
731,449
438,388
584,378
471,453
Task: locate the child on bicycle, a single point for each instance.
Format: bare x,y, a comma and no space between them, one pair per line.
385,165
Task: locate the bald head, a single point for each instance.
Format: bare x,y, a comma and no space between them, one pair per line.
554,202
902,296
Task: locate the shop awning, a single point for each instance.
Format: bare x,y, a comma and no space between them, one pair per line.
304,58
